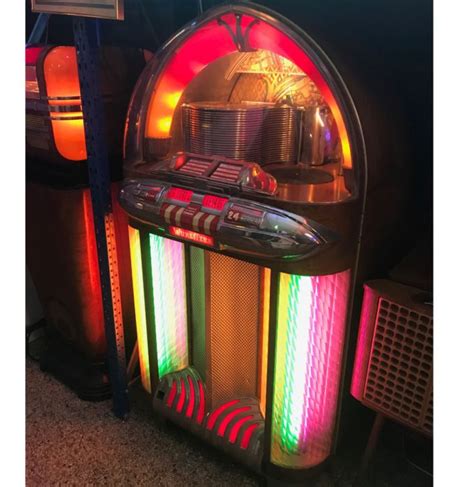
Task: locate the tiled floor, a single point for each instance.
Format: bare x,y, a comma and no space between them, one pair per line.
71,442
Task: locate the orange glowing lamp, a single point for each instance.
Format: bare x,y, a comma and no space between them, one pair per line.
63,92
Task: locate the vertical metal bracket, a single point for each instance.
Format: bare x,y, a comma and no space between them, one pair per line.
86,39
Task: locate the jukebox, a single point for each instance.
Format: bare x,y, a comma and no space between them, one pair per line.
60,244
246,183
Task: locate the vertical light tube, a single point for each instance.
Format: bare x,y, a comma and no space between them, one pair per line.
199,291
169,303
264,311
309,346
139,302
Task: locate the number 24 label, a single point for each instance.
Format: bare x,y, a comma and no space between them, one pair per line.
233,215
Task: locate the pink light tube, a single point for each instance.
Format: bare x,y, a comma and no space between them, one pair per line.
311,317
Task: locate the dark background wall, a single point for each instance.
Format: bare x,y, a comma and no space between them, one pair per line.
384,50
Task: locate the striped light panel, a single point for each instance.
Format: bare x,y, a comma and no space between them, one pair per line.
264,322
309,346
189,217
169,302
139,302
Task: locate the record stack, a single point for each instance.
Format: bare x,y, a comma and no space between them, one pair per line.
251,131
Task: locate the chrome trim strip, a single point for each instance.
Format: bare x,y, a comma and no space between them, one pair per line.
60,98
78,117
41,106
65,108
76,98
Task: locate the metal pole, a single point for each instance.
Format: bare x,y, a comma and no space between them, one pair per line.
132,363
86,39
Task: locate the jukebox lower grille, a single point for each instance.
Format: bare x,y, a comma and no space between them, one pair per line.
255,132
237,425
35,122
233,331
428,419
183,393
399,376
37,133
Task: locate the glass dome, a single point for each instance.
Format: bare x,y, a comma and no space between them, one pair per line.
241,84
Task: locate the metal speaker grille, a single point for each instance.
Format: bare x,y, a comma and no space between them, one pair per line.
428,419
37,134
233,328
35,122
400,370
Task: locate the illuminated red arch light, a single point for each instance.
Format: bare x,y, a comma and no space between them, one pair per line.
212,41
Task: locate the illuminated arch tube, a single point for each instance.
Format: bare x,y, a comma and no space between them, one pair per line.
311,314
217,38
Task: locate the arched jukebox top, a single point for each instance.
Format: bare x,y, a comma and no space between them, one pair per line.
243,84
242,137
